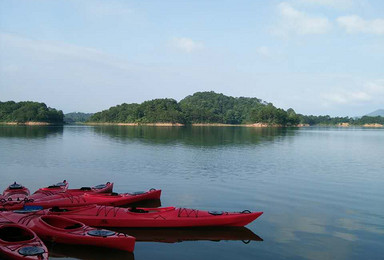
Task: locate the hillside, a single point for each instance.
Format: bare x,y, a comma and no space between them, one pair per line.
201,107
379,112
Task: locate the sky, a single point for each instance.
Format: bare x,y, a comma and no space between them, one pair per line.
320,57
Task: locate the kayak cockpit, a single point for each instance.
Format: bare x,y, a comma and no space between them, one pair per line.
60,223
14,233
15,186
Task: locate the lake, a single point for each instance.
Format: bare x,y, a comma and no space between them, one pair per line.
321,189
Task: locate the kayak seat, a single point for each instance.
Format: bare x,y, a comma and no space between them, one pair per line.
85,188
57,185
100,186
136,193
74,226
57,209
15,186
53,186
136,210
216,213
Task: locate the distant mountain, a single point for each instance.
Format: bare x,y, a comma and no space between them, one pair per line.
379,112
76,117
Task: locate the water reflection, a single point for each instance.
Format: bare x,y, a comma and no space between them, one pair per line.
87,252
174,235
30,131
195,136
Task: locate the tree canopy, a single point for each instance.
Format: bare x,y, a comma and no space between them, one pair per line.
201,107
21,112
153,111
211,107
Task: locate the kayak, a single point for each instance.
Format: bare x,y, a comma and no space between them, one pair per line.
60,188
111,199
107,216
68,200
18,242
14,202
50,190
67,231
101,188
16,191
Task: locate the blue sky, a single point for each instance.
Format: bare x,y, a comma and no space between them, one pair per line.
316,56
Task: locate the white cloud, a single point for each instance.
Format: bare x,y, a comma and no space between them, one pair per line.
187,44
356,24
372,91
346,97
46,46
295,21
264,51
49,50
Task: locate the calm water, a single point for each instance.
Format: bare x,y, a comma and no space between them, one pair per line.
321,189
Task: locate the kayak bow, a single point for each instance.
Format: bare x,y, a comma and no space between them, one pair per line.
18,242
16,191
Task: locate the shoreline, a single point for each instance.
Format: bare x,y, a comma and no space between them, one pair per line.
28,123
257,125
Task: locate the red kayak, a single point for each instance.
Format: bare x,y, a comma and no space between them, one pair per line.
50,190
9,203
68,231
16,191
112,199
60,188
68,200
18,242
106,216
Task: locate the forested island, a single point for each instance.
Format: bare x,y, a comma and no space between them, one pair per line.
201,108
29,112
215,108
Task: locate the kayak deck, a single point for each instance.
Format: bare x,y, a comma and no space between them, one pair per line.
107,216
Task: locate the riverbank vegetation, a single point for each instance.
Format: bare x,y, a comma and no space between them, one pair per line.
29,112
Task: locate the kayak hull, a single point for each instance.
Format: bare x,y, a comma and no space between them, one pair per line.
63,230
